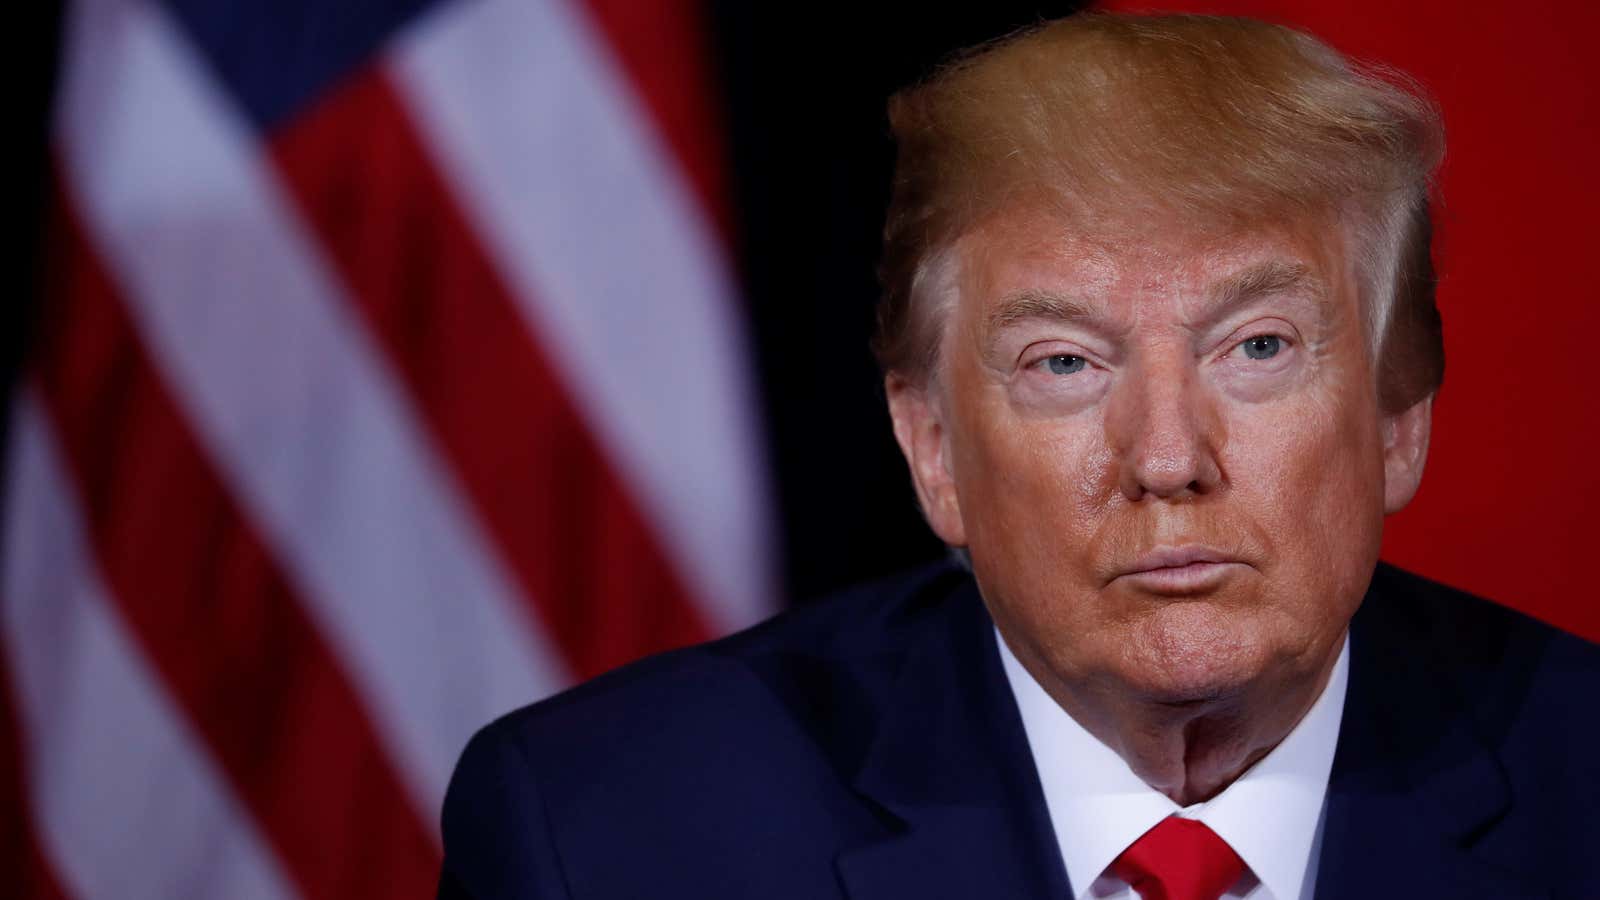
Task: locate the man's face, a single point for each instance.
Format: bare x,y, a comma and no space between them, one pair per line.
1163,451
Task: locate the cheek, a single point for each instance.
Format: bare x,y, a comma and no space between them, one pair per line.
1031,490
1311,479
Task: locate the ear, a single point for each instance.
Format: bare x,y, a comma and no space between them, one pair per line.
1405,451
919,428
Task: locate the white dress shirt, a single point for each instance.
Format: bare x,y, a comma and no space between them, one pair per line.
1271,816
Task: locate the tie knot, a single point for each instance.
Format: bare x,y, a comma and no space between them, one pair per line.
1179,859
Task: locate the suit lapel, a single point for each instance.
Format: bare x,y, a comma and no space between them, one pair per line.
1412,786
951,771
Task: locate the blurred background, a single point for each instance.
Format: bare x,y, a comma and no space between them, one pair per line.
378,367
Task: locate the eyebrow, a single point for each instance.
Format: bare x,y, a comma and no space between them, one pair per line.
1265,279
1036,305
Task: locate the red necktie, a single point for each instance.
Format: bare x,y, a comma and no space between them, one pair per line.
1179,859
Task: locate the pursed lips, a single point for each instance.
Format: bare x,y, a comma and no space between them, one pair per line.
1184,569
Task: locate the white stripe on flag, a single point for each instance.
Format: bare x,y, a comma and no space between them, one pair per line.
127,803
606,250
290,396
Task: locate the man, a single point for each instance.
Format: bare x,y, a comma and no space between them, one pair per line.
1160,350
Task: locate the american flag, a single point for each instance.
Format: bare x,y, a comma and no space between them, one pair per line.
390,375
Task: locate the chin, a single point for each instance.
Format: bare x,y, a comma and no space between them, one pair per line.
1194,655
1186,689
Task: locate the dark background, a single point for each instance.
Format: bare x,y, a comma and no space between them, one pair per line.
35,44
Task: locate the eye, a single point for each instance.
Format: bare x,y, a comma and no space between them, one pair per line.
1262,346
1064,364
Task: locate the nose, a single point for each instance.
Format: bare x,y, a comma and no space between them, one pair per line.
1164,431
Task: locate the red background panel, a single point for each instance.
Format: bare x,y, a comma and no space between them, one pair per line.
1508,505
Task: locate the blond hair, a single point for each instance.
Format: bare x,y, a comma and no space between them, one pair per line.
1226,122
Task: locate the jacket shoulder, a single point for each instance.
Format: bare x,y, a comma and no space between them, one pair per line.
680,758
1526,690
1490,651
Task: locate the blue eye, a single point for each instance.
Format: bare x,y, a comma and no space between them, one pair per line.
1064,364
1262,346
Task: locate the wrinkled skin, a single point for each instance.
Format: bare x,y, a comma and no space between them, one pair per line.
1099,401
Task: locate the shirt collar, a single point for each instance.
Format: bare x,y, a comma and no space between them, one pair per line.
1098,806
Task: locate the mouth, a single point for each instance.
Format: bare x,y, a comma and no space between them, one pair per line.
1177,571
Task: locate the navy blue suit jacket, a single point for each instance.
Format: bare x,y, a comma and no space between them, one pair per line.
869,747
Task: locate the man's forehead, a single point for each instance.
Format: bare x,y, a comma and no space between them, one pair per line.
1266,280
1024,267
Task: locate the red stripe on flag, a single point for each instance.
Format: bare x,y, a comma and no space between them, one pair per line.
27,875
209,605
597,578
665,49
